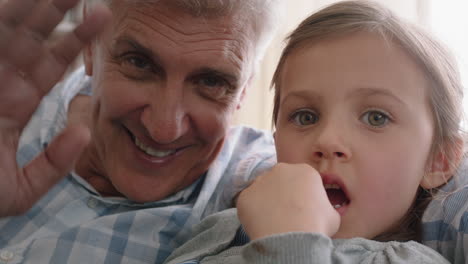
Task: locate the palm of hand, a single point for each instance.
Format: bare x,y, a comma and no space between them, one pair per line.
29,68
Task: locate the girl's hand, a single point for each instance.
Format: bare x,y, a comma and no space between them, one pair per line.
288,198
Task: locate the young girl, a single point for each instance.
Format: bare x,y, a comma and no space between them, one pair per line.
367,115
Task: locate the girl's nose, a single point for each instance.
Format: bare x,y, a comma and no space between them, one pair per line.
331,144
329,155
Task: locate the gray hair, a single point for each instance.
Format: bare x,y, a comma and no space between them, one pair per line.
263,15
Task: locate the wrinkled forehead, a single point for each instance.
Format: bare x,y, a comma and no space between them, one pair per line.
168,10
216,19
195,9
176,37
228,15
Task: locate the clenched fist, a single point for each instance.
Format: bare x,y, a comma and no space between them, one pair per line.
287,198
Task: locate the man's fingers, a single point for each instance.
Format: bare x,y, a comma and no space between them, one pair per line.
22,46
26,53
54,163
13,12
49,14
50,68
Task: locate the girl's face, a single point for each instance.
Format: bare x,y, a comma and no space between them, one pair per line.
356,108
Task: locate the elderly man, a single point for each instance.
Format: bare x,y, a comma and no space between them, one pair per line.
165,78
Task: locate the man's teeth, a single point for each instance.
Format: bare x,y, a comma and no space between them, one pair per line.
152,152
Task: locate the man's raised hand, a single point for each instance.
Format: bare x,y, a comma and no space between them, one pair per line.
29,67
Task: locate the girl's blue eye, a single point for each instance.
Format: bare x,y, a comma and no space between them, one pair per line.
305,118
375,118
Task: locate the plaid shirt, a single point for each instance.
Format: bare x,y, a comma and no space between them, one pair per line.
74,224
445,221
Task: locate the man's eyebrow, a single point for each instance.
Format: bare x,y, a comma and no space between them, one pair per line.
232,79
129,41
137,47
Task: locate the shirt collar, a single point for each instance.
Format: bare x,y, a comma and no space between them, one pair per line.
184,196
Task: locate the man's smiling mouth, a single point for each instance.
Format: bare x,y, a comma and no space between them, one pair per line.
151,151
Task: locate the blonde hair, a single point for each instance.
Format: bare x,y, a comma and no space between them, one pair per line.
446,91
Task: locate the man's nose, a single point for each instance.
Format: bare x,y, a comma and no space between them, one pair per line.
165,119
331,144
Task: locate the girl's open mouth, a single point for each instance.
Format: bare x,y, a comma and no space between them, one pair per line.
336,195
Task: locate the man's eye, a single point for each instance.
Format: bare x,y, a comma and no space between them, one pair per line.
138,62
213,87
375,118
136,66
305,118
212,81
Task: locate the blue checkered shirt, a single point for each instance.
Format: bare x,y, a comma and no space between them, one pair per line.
445,221
72,223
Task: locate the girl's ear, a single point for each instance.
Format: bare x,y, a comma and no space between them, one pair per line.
443,166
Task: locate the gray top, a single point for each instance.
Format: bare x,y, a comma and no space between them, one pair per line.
73,223
212,239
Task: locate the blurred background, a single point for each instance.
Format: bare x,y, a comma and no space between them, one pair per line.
446,19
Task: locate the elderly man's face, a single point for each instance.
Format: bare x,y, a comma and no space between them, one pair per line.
165,87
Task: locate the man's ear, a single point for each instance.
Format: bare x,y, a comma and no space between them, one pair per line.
244,92
443,166
242,97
